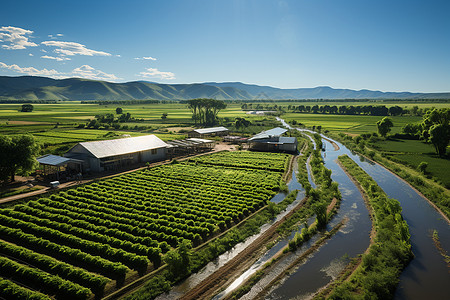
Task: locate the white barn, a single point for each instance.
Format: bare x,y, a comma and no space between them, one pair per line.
98,156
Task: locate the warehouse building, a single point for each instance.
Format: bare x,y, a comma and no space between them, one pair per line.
273,141
207,132
99,156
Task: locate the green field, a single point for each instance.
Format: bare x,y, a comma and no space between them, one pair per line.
413,152
75,112
80,240
348,124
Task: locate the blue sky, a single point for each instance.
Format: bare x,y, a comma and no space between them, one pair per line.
358,44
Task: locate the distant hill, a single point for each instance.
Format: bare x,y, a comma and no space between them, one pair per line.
43,88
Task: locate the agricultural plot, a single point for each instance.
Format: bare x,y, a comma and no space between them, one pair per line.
348,124
74,243
413,152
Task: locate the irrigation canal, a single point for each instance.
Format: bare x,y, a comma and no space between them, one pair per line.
426,277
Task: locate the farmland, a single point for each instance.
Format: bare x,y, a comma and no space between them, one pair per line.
85,239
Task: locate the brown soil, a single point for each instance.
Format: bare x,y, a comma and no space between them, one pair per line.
177,129
237,264
335,146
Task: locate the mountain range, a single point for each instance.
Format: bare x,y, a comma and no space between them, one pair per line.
43,88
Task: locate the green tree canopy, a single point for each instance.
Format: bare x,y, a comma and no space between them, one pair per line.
17,153
119,110
27,108
384,126
436,128
204,111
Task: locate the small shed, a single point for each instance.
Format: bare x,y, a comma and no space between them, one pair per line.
98,156
177,148
58,166
205,132
273,141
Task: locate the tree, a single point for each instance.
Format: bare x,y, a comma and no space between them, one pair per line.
384,126
17,153
119,111
164,116
241,122
205,111
436,128
27,108
320,209
439,137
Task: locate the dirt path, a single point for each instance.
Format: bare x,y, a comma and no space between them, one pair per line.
217,279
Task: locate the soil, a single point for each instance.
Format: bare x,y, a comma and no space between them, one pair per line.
335,146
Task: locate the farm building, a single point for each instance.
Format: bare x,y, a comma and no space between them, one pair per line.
273,141
56,167
106,155
204,132
188,146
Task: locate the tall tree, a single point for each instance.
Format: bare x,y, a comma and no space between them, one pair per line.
205,111
384,126
17,153
436,128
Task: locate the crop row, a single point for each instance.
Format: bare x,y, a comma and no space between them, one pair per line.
75,257
12,291
42,280
95,283
150,252
131,260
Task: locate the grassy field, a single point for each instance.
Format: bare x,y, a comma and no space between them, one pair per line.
54,124
413,152
74,112
348,124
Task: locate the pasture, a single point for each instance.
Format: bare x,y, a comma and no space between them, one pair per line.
353,124
413,152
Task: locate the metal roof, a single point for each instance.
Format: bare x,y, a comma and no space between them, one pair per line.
187,142
108,148
210,130
269,133
54,160
277,140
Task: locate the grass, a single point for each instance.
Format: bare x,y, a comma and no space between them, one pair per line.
413,152
348,123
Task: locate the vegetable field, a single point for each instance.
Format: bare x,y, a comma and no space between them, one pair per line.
75,242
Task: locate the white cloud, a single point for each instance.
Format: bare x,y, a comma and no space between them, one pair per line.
17,38
155,73
72,48
31,70
89,72
30,54
145,58
55,58
54,37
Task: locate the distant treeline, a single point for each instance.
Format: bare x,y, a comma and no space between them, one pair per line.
125,102
29,101
341,100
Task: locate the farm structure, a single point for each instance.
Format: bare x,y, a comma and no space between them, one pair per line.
188,146
98,156
205,132
54,166
273,141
